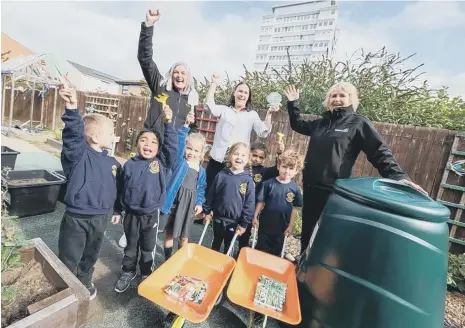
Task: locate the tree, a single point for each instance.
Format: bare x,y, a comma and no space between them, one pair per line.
389,91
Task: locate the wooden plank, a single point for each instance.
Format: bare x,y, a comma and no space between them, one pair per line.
63,313
35,307
453,187
457,241
446,172
458,206
81,292
457,216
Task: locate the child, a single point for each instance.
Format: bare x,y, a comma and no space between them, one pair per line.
231,198
186,191
260,173
277,202
91,191
142,193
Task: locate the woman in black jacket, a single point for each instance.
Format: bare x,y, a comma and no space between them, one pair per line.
336,141
178,83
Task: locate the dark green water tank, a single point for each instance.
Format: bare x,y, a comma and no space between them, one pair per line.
379,259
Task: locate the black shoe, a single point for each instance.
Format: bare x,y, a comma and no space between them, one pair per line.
124,281
92,290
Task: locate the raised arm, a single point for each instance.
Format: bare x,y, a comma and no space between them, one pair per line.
214,109
170,142
74,140
145,51
298,124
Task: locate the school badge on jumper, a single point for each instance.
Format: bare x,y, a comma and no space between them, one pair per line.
257,178
154,167
290,197
243,188
113,170
132,154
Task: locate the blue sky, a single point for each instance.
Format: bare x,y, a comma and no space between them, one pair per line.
221,36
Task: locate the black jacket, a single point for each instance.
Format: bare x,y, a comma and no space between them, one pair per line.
336,141
176,101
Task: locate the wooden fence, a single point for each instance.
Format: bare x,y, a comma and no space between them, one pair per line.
421,152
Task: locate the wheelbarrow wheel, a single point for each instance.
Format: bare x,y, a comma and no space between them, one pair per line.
173,321
257,320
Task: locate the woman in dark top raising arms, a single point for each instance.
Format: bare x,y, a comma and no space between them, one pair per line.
336,141
178,83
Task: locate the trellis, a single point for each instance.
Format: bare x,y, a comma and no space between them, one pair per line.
33,70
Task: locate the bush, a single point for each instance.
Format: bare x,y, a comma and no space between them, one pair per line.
298,223
456,272
389,92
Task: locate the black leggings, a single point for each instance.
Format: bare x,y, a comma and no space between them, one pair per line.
213,168
314,203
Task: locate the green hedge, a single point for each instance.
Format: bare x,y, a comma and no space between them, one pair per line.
389,91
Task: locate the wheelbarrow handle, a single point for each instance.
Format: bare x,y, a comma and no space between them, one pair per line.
254,242
203,233
231,246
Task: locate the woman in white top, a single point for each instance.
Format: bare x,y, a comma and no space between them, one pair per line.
235,123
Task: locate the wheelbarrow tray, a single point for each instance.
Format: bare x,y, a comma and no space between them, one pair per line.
195,261
251,264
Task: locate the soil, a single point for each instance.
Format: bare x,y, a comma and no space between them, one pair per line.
31,285
27,181
455,310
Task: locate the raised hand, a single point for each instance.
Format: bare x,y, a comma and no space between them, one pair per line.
152,16
69,96
167,113
274,108
292,93
215,79
190,118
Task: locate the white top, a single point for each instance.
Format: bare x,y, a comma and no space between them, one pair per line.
233,127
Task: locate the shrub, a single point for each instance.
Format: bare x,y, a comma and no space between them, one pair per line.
389,91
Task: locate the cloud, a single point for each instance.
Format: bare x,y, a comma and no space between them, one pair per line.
422,17
104,36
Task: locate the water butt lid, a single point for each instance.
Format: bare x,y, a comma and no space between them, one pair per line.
393,197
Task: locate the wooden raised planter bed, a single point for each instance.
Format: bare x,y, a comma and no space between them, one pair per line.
68,307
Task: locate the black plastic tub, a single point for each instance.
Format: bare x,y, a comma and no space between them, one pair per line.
37,194
62,194
9,157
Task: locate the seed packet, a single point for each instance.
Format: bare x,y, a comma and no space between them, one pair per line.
186,289
270,293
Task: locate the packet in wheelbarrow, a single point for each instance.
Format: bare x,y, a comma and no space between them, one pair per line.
187,288
190,266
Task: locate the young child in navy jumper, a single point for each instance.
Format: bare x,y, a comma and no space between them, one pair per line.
231,197
186,190
91,192
277,203
142,193
260,173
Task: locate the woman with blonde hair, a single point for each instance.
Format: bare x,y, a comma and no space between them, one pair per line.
336,141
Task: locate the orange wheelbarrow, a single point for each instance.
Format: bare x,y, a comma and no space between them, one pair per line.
251,264
195,261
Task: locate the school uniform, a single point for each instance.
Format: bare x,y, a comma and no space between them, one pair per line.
279,198
142,193
232,200
90,197
260,174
